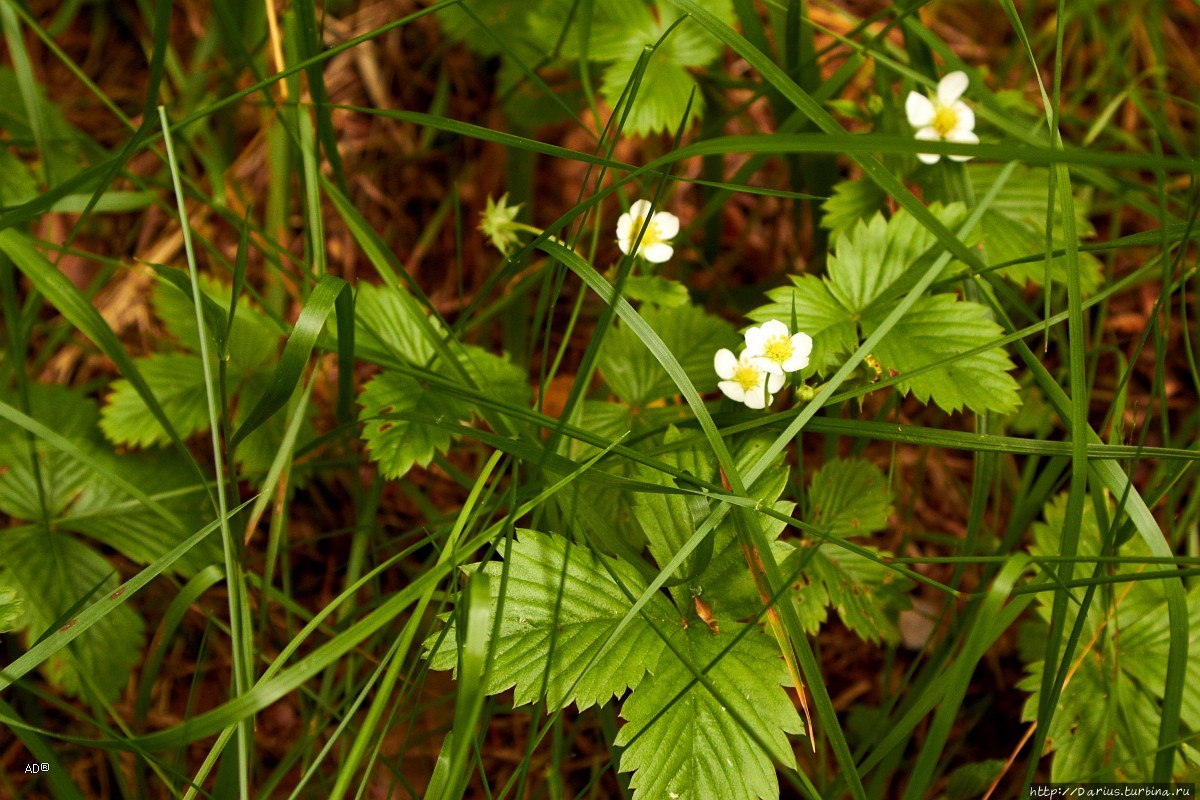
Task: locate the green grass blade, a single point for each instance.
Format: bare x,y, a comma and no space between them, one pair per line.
239,282
329,292
27,85
453,768
239,607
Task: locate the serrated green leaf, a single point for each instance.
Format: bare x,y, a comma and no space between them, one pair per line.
867,596
214,315
618,29
691,745
1014,226
62,476
618,33
621,29
669,520
177,380
109,515
663,95
605,511
398,443
633,372
495,375
391,326
256,452
329,292
51,571
938,328
850,497
509,22
817,313
398,411
876,255
388,326
727,585
873,267
657,290
851,202
61,140
610,420
560,602
690,42
80,498
253,339
1104,729
1105,726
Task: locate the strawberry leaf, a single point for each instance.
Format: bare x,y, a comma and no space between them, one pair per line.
561,602
681,740
875,264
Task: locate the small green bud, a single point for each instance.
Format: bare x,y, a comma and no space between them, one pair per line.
498,223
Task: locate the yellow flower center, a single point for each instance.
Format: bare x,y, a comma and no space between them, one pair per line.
778,349
650,237
945,119
747,376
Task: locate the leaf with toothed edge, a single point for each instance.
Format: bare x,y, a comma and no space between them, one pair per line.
850,498
51,571
682,741
1105,727
398,443
874,263
561,601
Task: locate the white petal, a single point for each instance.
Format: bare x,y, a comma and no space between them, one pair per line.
775,383
802,344
754,398
667,224
919,109
796,362
962,137
640,208
773,328
966,117
624,223
951,87
767,365
733,390
656,253
755,339
928,135
725,362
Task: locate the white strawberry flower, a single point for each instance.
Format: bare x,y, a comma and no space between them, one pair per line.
944,117
655,245
777,351
744,381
